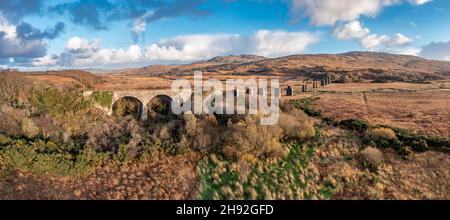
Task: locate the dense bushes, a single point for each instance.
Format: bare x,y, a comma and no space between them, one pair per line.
57,102
248,137
13,88
306,106
41,157
127,106
404,141
384,138
355,125
103,98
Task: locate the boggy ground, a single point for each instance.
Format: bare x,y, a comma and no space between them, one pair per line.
332,169
425,109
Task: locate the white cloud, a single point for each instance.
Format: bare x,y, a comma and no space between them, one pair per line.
81,44
418,2
193,47
9,30
279,43
373,41
140,24
80,52
351,30
328,12
398,39
263,42
354,30
413,51
377,42
11,45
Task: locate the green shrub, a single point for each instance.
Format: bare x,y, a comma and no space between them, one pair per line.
406,152
328,120
418,142
122,153
103,98
383,138
306,106
439,142
355,124
41,157
55,101
419,145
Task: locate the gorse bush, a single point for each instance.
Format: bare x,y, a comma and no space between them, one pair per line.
41,157
329,120
406,152
384,138
355,124
58,102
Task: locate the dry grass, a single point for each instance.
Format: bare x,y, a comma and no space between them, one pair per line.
383,133
162,177
426,111
424,176
372,155
54,81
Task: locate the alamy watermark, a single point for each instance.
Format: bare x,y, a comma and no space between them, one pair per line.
241,97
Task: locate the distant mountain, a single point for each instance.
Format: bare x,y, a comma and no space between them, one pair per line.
344,67
236,59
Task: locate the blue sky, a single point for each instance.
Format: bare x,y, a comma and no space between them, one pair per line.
116,34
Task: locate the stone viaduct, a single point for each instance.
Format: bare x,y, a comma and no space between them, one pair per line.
143,96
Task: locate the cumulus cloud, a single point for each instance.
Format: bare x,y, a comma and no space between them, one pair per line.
328,12
350,30
20,40
24,41
437,51
355,30
80,52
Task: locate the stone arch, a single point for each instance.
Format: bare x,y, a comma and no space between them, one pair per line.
128,105
159,106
